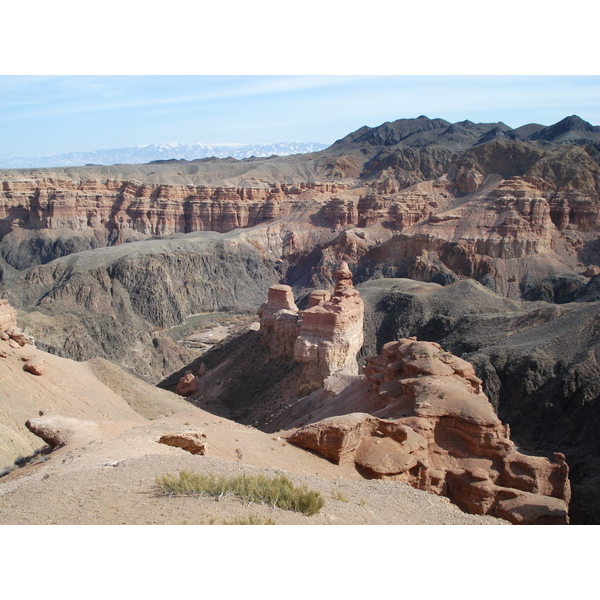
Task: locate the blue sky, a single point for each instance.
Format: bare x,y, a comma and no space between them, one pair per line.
41,115
79,77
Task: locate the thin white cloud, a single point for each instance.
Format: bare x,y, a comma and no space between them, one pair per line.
71,95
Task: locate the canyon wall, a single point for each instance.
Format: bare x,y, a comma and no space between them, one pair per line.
149,209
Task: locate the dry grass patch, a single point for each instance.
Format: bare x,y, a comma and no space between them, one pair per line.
279,492
252,520
339,496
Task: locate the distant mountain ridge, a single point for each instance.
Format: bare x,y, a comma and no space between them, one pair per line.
166,151
423,132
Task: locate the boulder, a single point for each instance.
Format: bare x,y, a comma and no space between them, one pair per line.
35,366
188,384
192,442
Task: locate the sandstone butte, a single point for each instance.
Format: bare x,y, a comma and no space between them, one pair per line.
325,337
417,415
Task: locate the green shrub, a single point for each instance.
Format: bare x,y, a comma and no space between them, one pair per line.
278,492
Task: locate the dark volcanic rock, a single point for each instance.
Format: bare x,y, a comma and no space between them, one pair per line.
571,129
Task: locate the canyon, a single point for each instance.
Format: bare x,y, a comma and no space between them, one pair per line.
478,237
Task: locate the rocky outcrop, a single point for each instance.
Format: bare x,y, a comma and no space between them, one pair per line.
188,384
9,332
325,337
435,429
331,333
8,315
192,442
279,325
58,430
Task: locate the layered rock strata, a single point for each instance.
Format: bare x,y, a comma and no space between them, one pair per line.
119,206
325,337
331,333
435,429
279,322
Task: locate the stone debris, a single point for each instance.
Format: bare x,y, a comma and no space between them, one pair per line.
35,366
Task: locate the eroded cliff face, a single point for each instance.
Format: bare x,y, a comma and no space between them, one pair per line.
431,426
512,235
480,213
113,211
151,209
325,338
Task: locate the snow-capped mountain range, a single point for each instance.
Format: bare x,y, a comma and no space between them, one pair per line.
150,152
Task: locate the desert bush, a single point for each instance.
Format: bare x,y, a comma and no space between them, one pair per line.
279,491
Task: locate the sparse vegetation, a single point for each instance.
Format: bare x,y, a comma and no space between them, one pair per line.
279,492
337,495
251,520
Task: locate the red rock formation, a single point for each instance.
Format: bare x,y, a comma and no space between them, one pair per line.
340,212
279,322
325,337
8,315
120,206
187,385
36,366
435,429
8,326
331,334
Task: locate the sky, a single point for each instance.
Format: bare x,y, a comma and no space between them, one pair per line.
44,115
77,78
